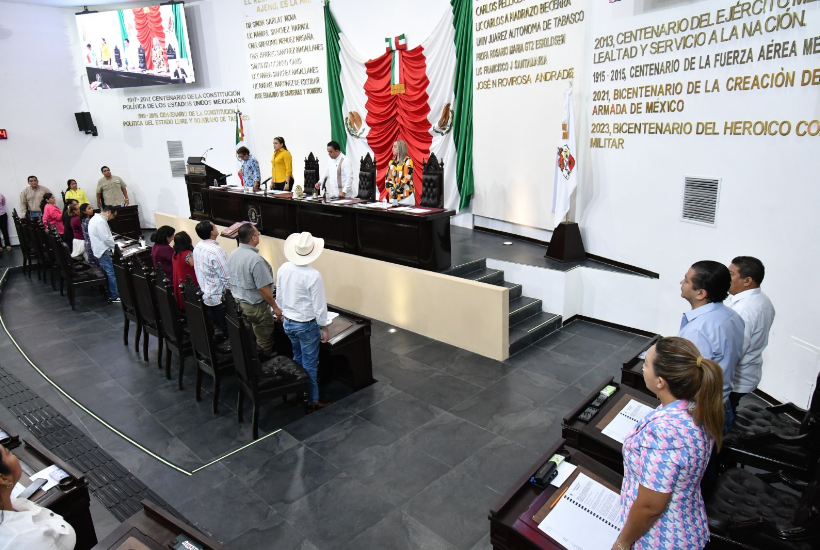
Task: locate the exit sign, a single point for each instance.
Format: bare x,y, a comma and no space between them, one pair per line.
4,134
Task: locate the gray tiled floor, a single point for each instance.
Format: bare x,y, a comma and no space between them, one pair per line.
414,461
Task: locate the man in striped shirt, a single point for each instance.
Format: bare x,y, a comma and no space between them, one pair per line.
211,267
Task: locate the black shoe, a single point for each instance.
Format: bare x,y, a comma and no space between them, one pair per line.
114,301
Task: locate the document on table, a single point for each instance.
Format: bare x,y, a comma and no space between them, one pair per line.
632,413
331,316
344,201
586,517
45,474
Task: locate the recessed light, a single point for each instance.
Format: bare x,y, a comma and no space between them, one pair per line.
391,331
507,243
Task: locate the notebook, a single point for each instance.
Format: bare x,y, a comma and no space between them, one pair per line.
586,517
623,422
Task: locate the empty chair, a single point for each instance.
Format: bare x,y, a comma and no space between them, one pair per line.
26,248
38,247
130,312
177,339
311,174
72,277
143,285
210,358
276,377
780,437
432,183
367,178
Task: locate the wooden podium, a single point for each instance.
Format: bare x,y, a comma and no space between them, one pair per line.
566,244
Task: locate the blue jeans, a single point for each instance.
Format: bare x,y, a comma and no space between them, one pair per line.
305,338
108,267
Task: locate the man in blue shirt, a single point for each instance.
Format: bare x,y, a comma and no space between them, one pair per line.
250,168
715,329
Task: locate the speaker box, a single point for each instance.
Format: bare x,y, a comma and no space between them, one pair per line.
85,124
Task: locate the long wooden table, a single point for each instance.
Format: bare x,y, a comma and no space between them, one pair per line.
411,239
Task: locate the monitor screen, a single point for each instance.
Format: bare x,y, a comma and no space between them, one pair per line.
136,47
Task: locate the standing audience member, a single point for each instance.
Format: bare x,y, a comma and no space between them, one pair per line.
102,244
252,282
300,292
111,190
24,524
183,262
68,234
715,329
666,453
74,192
78,245
211,268
161,252
757,313
31,197
4,223
86,213
51,213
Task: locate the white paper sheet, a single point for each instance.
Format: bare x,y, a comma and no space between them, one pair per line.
564,471
18,488
624,421
331,316
44,474
344,201
586,517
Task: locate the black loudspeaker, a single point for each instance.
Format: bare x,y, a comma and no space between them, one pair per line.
85,124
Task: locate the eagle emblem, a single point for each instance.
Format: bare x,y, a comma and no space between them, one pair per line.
445,121
566,162
354,125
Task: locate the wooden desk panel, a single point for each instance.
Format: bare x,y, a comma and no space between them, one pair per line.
336,227
632,370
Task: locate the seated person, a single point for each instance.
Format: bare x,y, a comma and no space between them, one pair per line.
161,252
666,453
68,234
183,262
86,213
76,223
399,179
24,524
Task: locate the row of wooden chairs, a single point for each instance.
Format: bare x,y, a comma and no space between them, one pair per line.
147,299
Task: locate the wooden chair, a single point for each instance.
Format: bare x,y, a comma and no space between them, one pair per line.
367,178
142,281
210,358
130,311
177,339
70,275
39,249
276,377
311,174
26,248
54,240
432,183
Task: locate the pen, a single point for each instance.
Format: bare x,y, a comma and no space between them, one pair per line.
559,498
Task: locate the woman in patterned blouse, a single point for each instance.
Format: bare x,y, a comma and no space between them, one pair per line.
399,180
666,453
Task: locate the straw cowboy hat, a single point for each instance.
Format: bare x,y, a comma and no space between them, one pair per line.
303,248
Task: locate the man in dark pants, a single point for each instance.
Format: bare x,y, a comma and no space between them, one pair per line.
211,268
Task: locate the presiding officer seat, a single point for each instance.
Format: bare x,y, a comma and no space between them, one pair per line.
779,437
745,511
367,178
276,377
432,183
311,174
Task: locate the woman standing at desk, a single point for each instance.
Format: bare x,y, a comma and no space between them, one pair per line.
666,453
281,165
23,524
399,179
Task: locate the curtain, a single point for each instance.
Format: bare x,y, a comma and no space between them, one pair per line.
334,86
148,22
463,118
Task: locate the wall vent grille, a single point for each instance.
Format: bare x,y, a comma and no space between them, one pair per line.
701,197
177,168
175,150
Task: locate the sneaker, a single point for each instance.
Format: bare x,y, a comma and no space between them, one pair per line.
8,248
115,300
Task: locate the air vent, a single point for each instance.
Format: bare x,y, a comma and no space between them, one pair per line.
700,200
175,150
177,168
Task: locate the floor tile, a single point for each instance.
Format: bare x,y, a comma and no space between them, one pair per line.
449,439
273,532
479,370
399,531
494,411
585,349
539,389
443,390
604,334
337,512
218,437
400,414
340,442
314,423
538,430
499,464
400,342
402,372
438,355
558,366
553,339
366,397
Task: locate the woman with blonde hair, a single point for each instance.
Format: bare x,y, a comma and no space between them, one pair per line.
666,453
399,179
281,165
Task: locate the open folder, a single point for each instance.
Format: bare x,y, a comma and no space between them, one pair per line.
585,517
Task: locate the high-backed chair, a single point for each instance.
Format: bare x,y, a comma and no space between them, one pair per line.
276,377
177,339
125,286
746,511
40,253
142,281
25,245
53,239
432,183
311,174
46,255
367,178
70,275
780,437
210,358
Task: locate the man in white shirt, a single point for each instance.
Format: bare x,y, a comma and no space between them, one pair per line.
300,294
338,176
102,245
757,313
211,268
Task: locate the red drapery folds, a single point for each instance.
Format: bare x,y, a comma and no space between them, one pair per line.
148,22
400,116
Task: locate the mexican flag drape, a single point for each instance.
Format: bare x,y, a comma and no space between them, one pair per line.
432,115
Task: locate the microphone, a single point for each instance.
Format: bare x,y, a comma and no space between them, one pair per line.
202,156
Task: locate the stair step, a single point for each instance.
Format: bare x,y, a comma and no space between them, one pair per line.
515,290
486,275
467,267
532,329
522,308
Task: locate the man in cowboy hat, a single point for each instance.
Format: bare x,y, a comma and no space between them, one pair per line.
300,293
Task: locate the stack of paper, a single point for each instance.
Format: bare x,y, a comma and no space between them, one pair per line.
625,420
